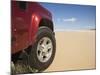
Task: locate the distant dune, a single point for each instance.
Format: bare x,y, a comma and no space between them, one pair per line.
75,50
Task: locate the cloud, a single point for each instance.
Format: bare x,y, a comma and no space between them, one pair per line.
70,19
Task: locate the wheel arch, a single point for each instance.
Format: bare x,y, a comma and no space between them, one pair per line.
46,22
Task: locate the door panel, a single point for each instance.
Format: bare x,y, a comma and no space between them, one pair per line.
20,22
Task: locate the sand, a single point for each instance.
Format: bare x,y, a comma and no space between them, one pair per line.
75,50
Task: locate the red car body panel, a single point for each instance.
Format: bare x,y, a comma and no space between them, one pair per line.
25,24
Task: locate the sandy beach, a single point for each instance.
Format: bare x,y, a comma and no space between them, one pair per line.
75,50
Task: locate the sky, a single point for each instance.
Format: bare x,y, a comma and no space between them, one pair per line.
71,16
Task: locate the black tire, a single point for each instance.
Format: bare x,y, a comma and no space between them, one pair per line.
35,62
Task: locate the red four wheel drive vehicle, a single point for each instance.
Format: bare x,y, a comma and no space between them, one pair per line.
33,40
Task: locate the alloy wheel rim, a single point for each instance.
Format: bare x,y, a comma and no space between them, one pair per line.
44,49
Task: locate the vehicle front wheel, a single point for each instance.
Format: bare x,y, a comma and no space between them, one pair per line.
43,50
